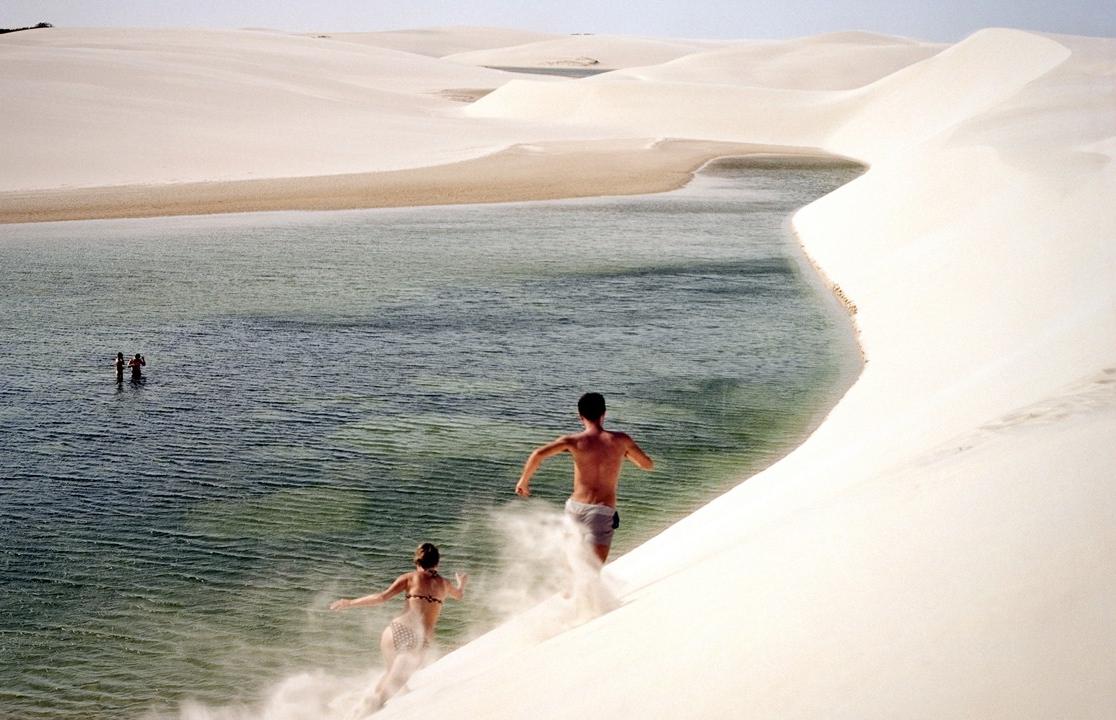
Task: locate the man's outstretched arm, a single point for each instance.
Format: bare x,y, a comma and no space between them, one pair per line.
523,487
641,459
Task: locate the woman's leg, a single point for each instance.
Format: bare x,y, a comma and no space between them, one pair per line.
387,651
374,701
401,670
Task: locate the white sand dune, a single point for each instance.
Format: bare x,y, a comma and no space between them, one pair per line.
837,61
594,51
942,546
86,107
919,99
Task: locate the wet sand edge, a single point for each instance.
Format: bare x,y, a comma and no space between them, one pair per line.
543,171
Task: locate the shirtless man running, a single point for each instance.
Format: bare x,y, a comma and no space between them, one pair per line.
598,455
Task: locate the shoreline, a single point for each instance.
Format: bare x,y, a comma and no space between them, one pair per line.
543,171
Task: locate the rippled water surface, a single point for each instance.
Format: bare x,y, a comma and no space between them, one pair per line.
324,391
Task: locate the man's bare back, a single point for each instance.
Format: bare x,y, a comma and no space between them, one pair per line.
598,455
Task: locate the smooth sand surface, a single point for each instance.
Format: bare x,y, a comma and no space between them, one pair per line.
112,106
942,546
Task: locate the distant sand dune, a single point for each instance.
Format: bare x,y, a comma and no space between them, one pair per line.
827,62
121,106
609,51
440,42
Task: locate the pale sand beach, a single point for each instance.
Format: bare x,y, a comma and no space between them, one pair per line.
542,171
942,545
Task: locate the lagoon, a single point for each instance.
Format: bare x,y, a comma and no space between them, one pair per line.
326,390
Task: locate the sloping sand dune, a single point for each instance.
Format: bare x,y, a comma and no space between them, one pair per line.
941,546
919,99
927,98
671,109
117,106
839,61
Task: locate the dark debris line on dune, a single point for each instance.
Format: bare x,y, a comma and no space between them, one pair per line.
33,27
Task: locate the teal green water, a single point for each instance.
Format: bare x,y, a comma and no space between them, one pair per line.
324,391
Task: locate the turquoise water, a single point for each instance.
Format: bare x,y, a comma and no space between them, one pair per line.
324,391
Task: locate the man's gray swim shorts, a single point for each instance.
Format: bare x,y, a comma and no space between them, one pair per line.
597,522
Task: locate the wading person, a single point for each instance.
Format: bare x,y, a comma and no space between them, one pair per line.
136,363
405,639
119,367
598,455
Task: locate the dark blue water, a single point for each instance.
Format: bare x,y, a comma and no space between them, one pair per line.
324,391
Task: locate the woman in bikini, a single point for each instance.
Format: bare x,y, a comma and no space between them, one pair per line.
408,635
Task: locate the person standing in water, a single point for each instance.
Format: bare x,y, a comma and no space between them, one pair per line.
136,363
119,367
598,455
405,639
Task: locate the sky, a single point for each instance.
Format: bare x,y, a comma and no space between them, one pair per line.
943,20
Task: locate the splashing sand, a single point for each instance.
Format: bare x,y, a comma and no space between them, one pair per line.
547,581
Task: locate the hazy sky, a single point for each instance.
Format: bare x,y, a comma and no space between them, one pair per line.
930,20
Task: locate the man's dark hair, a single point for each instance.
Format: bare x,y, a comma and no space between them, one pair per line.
591,406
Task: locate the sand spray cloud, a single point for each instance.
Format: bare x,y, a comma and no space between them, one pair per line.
545,580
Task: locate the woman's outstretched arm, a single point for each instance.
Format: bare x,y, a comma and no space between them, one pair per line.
375,598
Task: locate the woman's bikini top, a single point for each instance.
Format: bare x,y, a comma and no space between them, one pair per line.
427,598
